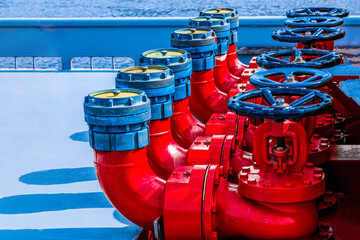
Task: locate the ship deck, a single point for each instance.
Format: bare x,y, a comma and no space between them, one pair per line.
49,188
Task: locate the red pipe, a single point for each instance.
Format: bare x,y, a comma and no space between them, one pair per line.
130,185
163,152
223,78
238,216
205,98
236,67
184,127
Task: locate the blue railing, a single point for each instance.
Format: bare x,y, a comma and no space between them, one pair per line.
113,37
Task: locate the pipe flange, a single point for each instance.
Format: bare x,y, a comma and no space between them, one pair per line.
183,202
267,187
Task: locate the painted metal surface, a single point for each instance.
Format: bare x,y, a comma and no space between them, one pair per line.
50,185
68,38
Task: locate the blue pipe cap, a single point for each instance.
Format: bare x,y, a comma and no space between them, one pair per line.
230,13
219,25
176,59
117,119
154,80
116,107
193,37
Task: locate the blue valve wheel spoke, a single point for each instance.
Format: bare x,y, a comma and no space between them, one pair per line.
308,35
291,78
317,21
311,102
309,58
317,12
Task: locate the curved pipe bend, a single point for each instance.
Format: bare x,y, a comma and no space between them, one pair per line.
163,152
184,127
205,98
224,80
130,185
238,216
236,67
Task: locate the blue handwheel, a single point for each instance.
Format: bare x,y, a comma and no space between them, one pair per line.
307,12
289,78
277,108
317,21
308,35
302,58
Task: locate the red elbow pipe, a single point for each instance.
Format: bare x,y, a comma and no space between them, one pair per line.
236,67
184,127
163,152
205,98
223,78
239,216
130,185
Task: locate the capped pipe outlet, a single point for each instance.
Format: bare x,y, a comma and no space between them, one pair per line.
158,83
177,60
117,119
200,42
221,27
230,14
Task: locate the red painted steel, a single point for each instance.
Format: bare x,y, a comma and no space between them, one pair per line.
223,78
163,152
236,67
205,98
184,127
130,185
